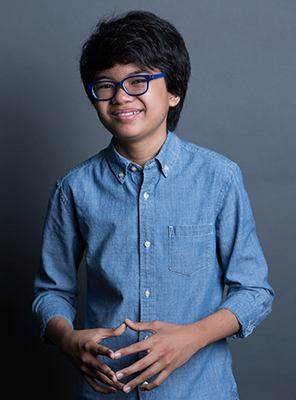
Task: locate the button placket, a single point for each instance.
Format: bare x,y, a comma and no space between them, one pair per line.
146,229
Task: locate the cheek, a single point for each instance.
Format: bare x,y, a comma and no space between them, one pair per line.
101,111
103,118
159,102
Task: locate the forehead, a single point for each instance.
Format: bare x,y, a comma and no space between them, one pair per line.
121,71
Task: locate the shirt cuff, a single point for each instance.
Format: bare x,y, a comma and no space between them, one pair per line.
244,310
50,310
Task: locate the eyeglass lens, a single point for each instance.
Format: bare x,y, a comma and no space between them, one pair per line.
135,86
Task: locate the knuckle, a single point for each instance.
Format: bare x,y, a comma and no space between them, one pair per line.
86,346
82,368
154,324
168,358
156,339
167,362
84,359
162,354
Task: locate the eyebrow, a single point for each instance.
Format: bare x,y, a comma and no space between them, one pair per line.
135,72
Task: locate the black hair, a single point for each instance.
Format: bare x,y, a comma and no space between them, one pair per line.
146,40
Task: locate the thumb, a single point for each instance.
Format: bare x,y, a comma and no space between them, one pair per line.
113,332
140,326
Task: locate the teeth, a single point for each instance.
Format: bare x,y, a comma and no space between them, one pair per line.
128,113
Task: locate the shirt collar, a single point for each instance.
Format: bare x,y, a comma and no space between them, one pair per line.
166,158
169,153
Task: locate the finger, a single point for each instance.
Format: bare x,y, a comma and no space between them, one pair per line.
106,370
104,379
98,388
104,351
157,381
141,326
147,374
136,367
91,362
132,349
113,332
93,373
96,349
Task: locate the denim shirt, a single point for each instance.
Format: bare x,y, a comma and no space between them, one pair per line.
160,243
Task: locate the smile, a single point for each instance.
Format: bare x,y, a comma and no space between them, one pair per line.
126,114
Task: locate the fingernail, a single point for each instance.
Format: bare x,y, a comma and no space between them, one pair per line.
119,375
127,389
117,355
142,388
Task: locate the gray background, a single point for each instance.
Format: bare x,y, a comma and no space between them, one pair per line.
241,103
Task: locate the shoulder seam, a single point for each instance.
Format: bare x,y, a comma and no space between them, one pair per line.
61,181
78,167
226,182
194,148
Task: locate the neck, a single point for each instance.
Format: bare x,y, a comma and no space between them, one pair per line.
139,153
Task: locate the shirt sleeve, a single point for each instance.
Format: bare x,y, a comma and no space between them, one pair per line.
249,296
56,283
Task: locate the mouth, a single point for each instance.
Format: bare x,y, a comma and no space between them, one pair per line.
126,113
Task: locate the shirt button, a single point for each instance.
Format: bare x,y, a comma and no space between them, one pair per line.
166,168
147,293
134,169
146,195
121,174
147,244
146,337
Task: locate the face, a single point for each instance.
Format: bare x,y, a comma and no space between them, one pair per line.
135,119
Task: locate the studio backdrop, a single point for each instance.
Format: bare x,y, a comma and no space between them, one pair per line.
241,102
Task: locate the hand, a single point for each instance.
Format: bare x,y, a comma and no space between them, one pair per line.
82,348
168,348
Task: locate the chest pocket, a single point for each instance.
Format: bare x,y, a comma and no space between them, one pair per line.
190,248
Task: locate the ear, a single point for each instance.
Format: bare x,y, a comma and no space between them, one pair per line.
173,100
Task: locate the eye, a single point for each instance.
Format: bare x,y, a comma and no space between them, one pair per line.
138,81
103,85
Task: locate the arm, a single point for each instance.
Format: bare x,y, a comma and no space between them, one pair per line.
249,295
56,282
56,288
82,348
171,346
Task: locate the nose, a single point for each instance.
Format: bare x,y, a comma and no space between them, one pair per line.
121,96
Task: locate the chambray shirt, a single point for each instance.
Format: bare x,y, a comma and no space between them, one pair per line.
160,243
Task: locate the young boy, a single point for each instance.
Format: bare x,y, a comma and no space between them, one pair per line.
164,226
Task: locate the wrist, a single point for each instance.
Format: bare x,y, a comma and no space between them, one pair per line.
217,326
58,331
199,335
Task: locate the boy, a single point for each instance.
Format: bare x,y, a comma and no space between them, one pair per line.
163,224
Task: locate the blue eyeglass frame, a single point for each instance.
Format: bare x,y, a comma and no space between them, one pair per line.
147,77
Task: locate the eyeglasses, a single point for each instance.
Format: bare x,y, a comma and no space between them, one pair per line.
135,85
